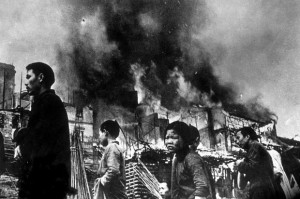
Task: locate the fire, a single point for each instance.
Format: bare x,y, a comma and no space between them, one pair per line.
185,88
138,72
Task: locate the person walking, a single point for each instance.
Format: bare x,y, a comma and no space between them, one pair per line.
111,182
257,165
43,147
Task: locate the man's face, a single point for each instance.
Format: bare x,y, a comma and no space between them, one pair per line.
103,138
33,83
173,141
241,140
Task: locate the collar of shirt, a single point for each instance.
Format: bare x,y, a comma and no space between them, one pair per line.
113,141
38,97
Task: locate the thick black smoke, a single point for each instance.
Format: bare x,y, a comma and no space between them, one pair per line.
144,32
155,34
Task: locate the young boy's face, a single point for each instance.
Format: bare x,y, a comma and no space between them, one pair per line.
173,141
103,137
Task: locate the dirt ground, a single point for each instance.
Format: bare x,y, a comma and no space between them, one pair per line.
8,187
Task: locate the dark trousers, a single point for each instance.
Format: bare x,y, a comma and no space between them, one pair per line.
262,193
43,182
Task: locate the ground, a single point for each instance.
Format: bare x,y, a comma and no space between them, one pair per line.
8,187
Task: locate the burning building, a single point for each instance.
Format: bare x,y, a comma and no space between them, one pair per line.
119,50
151,49
141,63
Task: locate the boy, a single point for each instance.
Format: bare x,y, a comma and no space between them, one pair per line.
112,165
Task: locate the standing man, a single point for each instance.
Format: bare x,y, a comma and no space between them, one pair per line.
257,165
44,146
112,165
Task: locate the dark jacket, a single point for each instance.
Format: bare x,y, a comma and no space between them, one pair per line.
190,177
45,146
2,154
112,172
258,168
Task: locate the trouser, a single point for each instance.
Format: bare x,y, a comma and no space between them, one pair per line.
261,193
44,183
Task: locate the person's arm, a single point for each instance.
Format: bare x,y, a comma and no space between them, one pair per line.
198,197
113,165
195,165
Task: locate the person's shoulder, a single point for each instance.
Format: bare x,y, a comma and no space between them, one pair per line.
50,97
51,94
255,145
192,156
113,146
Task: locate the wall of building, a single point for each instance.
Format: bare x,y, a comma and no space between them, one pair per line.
7,84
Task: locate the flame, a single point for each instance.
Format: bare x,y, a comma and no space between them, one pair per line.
138,72
189,92
185,88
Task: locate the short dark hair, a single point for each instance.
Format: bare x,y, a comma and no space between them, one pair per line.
248,131
112,127
194,133
182,129
38,68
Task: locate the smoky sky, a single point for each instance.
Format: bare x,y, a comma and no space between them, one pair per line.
145,32
255,44
157,35
241,54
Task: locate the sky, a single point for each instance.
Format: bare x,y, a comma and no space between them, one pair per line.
253,44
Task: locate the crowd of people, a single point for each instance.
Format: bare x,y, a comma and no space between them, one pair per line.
43,152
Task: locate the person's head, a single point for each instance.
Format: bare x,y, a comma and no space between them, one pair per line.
195,137
39,76
108,130
177,136
244,135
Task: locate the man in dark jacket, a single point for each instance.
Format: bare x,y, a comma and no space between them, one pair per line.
44,146
257,165
2,154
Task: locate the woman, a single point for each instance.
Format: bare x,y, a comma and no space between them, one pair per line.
190,177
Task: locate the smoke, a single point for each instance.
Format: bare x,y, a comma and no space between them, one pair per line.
185,88
30,30
119,46
243,55
114,35
255,44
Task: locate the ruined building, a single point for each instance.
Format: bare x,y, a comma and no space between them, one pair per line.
7,85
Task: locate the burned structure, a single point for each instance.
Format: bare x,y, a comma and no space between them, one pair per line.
7,85
152,48
143,65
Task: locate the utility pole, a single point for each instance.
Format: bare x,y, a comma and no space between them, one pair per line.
20,100
4,82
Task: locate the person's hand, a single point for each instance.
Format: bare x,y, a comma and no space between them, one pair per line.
278,177
163,188
102,181
95,187
198,197
238,162
17,154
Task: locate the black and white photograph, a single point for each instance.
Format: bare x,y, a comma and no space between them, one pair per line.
150,99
